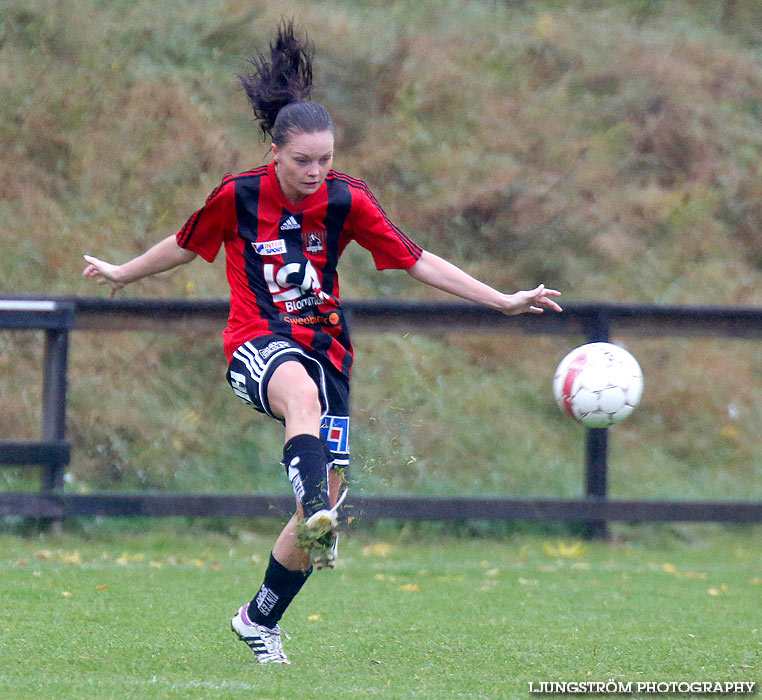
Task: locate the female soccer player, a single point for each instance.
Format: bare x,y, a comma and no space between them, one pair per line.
284,227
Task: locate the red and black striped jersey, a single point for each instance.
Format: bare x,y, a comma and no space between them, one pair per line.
281,257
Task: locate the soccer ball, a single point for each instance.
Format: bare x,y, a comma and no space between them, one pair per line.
598,384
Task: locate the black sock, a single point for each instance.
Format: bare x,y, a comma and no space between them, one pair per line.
276,593
304,457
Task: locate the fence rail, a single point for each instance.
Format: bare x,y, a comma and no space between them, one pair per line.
586,319
106,504
57,317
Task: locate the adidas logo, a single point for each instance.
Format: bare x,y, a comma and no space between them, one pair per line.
289,224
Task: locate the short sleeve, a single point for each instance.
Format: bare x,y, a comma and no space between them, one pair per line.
210,226
372,229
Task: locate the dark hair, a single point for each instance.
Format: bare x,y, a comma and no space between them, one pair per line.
279,88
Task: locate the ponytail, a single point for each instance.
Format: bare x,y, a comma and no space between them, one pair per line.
279,88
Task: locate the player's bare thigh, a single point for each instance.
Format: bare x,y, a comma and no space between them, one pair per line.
293,396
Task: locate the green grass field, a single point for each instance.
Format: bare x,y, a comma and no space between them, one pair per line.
144,613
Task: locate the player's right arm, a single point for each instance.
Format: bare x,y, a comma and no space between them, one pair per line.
165,255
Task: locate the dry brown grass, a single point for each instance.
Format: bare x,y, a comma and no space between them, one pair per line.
611,153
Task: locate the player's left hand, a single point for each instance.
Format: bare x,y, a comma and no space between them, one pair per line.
534,301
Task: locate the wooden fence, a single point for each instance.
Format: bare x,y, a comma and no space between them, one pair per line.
60,316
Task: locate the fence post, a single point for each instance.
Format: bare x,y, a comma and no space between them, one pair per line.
596,446
54,401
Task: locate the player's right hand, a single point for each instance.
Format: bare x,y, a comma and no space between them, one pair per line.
104,273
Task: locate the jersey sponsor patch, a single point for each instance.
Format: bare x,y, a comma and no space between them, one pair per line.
335,431
270,247
299,304
313,319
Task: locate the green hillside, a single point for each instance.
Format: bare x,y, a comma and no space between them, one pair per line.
610,149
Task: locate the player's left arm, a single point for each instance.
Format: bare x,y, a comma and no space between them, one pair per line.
437,272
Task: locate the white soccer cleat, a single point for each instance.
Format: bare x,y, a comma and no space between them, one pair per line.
318,535
263,641
323,521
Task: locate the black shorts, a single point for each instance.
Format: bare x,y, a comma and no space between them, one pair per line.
255,361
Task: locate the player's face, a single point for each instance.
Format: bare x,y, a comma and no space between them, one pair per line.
302,163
